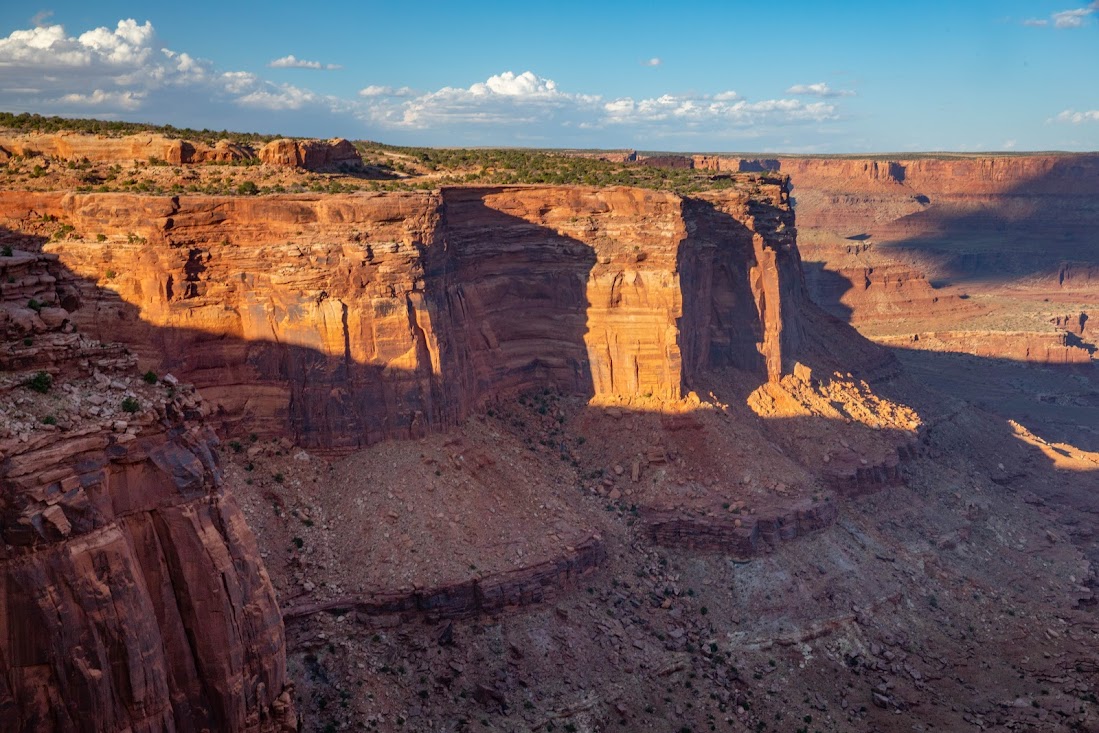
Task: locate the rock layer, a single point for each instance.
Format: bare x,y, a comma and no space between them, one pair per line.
132,597
314,155
356,318
128,149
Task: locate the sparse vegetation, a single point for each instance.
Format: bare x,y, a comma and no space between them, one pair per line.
40,382
150,377
113,128
130,405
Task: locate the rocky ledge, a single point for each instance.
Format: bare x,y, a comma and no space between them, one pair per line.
131,593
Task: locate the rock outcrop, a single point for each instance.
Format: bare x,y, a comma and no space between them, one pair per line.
143,148
314,155
355,318
468,599
132,596
906,247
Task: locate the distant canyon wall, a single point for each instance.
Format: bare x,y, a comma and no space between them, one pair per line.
896,246
344,320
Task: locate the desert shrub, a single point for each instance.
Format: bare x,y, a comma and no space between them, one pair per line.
40,382
130,405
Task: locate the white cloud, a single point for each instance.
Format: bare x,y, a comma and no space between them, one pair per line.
1077,118
820,89
710,112
654,61
100,98
127,69
41,17
290,61
115,72
511,103
376,90
510,84
1072,18
276,97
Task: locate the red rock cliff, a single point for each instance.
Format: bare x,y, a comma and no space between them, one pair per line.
132,596
355,318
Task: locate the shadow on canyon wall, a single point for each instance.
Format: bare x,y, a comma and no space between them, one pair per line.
1045,226
483,350
335,397
827,288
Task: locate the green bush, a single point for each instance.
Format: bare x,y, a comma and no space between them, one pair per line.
40,382
7,251
130,405
49,420
150,377
248,188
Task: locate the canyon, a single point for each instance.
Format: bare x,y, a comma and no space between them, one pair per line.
554,456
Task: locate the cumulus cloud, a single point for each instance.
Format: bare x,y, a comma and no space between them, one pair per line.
128,69
100,98
510,84
290,61
1076,118
511,101
127,55
820,89
654,61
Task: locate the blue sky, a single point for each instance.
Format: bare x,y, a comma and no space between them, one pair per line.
707,76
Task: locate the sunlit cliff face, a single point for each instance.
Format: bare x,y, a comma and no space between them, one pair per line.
360,317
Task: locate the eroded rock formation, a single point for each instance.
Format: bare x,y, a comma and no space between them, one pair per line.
314,155
132,595
129,149
907,248
355,318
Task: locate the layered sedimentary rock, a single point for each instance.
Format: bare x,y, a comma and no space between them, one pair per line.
355,318
1045,348
467,599
910,247
314,155
128,149
132,596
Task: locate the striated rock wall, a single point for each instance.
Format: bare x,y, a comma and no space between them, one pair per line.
355,318
1045,348
314,155
132,596
1063,175
128,149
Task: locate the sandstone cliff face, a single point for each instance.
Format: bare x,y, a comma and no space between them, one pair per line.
128,149
132,597
314,155
356,318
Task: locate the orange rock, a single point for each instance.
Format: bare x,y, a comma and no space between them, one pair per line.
342,320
